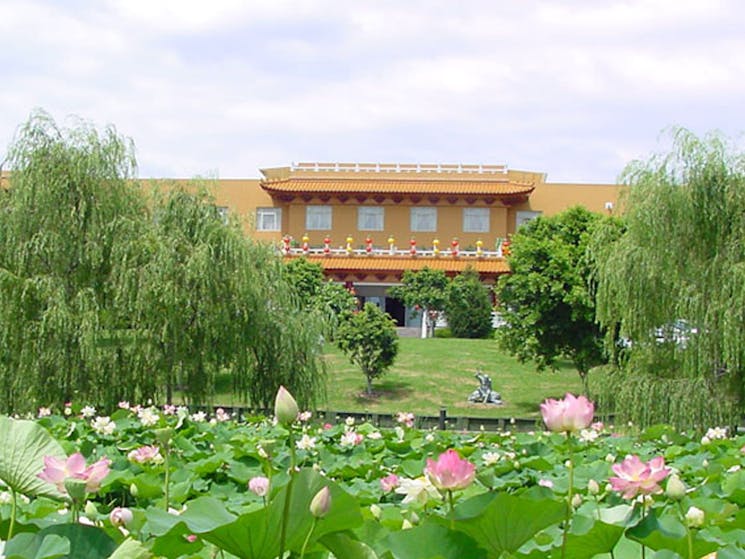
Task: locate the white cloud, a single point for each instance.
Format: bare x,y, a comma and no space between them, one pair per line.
571,88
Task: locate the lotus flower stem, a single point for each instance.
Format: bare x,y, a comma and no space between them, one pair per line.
644,515
167,479
688,531
452,509
12,513
570,494
286,509
307,538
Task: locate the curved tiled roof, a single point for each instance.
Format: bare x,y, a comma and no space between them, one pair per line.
393,265
351,186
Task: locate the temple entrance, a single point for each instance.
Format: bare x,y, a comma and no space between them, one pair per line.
396,309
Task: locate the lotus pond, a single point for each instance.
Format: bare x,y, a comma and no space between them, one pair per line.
186,485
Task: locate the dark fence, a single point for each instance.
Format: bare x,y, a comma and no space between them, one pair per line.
441,421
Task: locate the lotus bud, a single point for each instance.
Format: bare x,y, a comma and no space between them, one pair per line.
133,490
376,511
321,503
75,489
675,489
164,435
576,500
285,407
694,517
592,487
90,509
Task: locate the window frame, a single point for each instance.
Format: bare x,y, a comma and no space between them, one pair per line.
526,215
484,218
378,215
326,214
420,209
264,211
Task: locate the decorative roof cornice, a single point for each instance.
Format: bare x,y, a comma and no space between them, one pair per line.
343,187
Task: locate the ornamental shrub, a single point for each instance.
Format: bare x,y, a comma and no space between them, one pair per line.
468,306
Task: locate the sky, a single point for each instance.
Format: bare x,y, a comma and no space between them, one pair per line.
575,89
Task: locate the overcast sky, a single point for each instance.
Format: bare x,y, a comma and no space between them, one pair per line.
575,89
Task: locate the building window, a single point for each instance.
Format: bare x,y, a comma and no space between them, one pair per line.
318,218
523,217
424,219
475,220
370,218
268,219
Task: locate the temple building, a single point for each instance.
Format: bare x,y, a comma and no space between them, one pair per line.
367,223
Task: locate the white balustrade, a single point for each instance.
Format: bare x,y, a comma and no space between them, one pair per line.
457,168
398,253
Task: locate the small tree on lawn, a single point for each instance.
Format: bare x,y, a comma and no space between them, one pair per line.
426,289
547,301
370,340
469,307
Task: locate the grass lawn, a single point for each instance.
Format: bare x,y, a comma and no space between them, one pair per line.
433,373
438,372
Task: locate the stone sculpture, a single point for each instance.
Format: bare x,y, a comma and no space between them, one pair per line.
484,393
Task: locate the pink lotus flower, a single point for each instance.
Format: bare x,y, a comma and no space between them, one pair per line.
636,477
389,483
146,454
120,516
350,438
568,415
259,485
56,471
405,418
450,471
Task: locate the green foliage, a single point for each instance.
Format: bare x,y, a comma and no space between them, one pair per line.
370,340
425,289
187,297
647,399
306,279
547,301
285,342
66,231
508,510
316,294
25,444
674,283
468,307
108,295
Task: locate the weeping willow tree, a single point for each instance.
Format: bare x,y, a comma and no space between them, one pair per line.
185,303
212,301
286,338
69,206
107,294
672,287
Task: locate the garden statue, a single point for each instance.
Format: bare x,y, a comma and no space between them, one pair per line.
484,392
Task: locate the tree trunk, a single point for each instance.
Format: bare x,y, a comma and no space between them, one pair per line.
583,374
369,386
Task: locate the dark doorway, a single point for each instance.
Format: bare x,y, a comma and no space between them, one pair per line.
396,309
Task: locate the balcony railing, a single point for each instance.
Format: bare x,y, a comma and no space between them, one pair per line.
458,168
395,253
